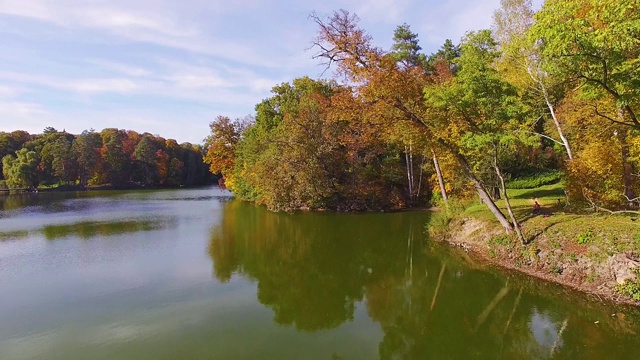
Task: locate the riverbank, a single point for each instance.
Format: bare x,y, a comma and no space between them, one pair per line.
129,186
597,254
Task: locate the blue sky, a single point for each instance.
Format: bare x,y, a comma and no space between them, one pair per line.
170,67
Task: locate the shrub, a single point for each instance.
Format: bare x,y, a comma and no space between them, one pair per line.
630,288
585,237
535,180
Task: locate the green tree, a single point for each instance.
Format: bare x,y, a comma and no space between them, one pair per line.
524,65
60,160
86,150
405,47
145,161
20,171
12,142
486,110
595,44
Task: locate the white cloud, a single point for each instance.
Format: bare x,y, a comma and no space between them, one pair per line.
19,115
385,11
162,65
7,91
452,19
119,68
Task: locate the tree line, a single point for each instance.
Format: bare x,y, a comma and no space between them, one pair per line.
115,157
552,89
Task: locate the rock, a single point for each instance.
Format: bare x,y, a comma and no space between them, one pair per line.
622,267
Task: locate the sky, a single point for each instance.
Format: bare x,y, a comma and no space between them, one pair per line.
170,67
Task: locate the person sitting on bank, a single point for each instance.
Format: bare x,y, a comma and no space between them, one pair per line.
537,209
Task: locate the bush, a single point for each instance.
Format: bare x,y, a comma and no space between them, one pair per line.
438,224
585,237
535,180
630,288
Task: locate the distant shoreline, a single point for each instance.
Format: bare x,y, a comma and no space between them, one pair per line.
69,188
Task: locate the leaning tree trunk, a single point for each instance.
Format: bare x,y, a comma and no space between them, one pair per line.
484,195
503,187
565,142
545,93
443,190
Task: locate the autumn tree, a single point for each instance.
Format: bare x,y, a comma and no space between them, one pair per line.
115,161
341,42
594,45
221,147
595,42
523,64
406,52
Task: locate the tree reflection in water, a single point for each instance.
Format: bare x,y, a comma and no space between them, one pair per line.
312,269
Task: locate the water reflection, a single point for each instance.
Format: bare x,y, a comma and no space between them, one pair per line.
313,269
89,229
13,235
310,269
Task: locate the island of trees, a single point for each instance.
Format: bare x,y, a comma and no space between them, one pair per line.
114,158
545,101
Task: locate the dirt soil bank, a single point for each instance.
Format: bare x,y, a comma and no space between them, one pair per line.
598,260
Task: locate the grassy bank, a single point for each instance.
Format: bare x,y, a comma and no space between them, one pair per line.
598,253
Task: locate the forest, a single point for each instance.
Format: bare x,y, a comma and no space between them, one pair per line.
553,93
112,157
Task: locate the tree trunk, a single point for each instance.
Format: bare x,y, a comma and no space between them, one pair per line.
484,195
565,142
443,190
545,94
420,178
406,158
626,168
412,195
516,226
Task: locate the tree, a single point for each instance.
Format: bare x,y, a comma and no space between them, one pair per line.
145,161
595,43
512,22
341,42
60,160
20,171
115,161
12,142
407,52
405,47
86,150
221,147
486,109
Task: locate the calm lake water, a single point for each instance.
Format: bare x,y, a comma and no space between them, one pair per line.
194,274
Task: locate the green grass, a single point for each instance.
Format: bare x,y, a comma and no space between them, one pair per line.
561,239
550,197
565,229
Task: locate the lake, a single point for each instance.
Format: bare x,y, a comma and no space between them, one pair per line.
195,274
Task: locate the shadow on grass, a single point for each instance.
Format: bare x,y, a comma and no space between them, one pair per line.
554,222
540,193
